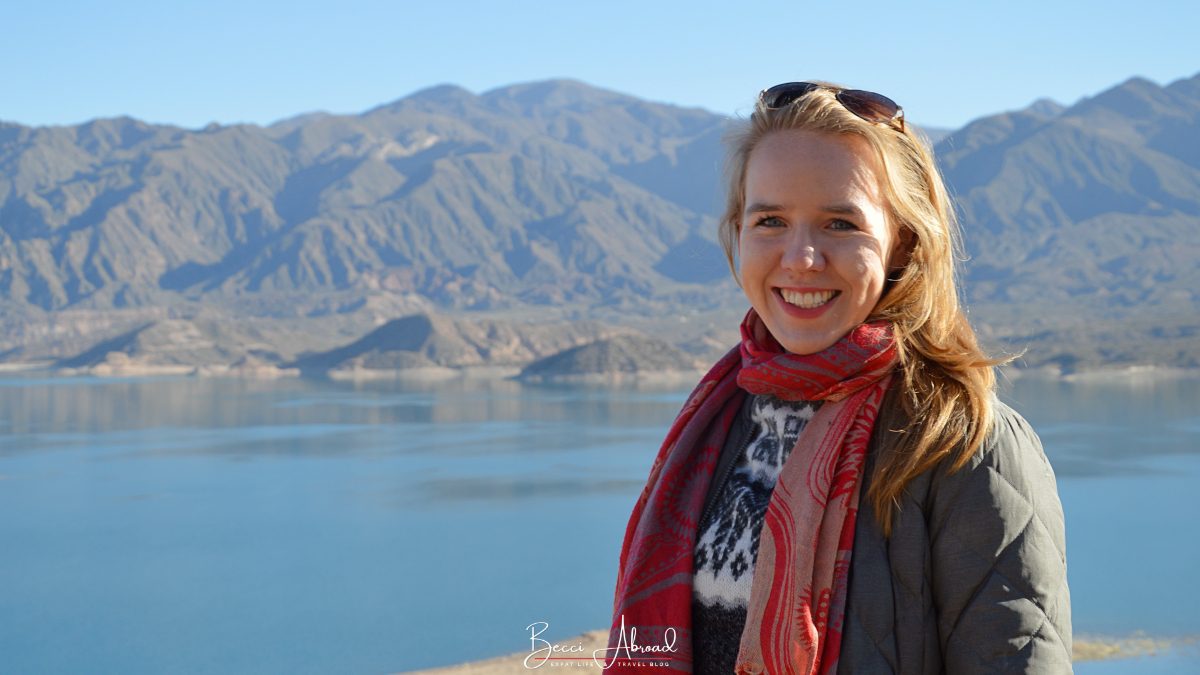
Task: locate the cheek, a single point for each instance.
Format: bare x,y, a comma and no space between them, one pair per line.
751,257
868,269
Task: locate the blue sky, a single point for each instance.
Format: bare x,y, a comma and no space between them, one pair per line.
190,63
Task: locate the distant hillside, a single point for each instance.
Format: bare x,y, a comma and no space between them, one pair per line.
536,194
625,355
1083,225
424,340
178,346
1102,197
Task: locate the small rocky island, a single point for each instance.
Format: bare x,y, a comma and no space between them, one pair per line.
612,359
423,345
430,345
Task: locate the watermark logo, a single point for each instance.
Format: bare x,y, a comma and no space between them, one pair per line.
627,650
542,652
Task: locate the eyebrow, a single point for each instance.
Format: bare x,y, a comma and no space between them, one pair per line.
843,209
760,207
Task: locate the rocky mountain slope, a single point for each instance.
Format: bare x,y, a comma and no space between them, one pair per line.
1102,198
540,194
1083,225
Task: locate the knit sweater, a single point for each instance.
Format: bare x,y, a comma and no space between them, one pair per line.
727,546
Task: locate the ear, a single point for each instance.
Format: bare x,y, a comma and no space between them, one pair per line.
902,248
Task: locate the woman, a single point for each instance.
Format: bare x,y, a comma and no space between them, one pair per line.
842,492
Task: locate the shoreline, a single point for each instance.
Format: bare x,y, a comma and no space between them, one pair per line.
1099,374
1115,374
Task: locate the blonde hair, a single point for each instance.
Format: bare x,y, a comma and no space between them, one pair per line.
947,382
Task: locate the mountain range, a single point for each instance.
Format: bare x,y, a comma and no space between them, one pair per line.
534,194
558,201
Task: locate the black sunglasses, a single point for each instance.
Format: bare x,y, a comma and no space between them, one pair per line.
868,105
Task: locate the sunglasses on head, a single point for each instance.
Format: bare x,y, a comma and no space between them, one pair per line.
868,105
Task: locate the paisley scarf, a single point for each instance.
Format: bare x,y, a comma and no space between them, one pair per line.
794,620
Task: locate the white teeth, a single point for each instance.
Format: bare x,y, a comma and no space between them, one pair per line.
806,300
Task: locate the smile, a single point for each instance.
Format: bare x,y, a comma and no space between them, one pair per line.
807,300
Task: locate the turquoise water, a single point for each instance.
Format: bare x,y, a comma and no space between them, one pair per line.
214,526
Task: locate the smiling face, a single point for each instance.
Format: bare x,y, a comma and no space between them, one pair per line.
815,242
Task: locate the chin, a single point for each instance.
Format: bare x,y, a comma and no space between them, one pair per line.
804,345
806,348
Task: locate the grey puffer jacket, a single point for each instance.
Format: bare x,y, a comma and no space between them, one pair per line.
974,576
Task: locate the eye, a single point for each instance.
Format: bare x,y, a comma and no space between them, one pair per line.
844,225
769,221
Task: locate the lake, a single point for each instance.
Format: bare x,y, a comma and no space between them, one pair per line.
220,525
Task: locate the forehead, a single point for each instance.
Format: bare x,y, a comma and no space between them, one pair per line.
796,165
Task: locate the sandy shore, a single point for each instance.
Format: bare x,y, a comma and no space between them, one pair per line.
1087,648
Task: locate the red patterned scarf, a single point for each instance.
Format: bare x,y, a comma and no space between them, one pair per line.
794,620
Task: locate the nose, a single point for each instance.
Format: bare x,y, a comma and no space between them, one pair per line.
802,254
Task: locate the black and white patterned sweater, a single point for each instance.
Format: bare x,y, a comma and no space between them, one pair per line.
727,543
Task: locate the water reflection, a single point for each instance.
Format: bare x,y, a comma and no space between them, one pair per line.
291,410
